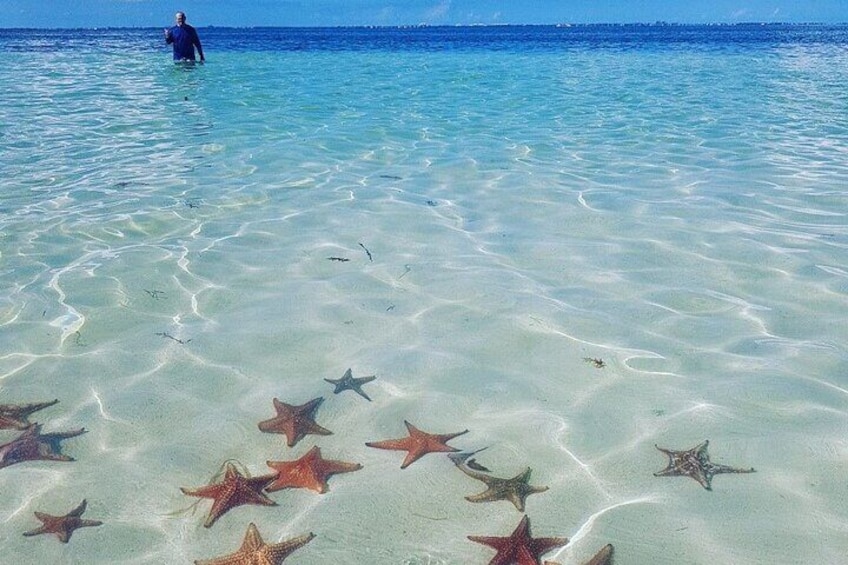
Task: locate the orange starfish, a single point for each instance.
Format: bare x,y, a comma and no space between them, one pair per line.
234,490
62,526
294,421
254,550
519,548
417,444
310,471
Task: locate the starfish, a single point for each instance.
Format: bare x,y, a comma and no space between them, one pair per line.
417,444
294,421
695,463
234,490
515,490
15,416
32,445
310,471
62,526
348,382
519,548
254,550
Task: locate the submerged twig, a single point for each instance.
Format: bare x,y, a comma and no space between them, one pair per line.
169,336
370,258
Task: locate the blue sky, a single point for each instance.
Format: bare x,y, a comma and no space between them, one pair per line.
157,13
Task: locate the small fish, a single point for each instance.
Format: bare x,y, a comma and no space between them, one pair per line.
339,259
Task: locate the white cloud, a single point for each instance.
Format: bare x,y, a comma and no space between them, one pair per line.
439,11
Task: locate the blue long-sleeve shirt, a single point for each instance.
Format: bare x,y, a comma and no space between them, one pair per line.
185,39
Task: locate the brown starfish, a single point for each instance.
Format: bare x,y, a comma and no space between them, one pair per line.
254,550
348,382
515,490
15,416
62,526
32,445
417,444
695,463
519,548
310,471
294,421
234,490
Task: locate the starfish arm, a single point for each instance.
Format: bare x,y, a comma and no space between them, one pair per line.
716,469
279,551
79,509
267,426
208,491
603,557
361,393
234,559
224,504
517,500
393,444
485,496
540,546
491,541
63,435
38,531
318,430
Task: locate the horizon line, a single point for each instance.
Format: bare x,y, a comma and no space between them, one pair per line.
658,23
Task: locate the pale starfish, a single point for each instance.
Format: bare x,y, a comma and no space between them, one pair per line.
515,490
32,445
695,463
348,382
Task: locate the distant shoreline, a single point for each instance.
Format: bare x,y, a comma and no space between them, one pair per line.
563,25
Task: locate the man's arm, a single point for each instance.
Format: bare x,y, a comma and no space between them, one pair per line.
199,46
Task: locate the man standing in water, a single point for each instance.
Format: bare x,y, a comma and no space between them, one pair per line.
185,39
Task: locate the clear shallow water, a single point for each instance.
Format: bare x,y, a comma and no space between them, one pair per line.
669,200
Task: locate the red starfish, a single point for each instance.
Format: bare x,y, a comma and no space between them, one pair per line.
310,471
234,490
254,550
294,421
519,548
32,445
417,444
62,526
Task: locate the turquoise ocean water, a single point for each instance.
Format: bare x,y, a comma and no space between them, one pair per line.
510,204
